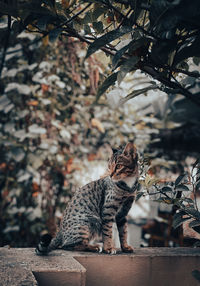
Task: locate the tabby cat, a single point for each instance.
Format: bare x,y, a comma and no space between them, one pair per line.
95,207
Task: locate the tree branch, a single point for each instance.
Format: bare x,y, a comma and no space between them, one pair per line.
175,86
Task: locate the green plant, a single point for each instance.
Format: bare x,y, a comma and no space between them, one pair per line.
181,195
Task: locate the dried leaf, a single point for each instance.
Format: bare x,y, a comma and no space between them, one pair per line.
97,124
65,3
45,87
33,103
45,40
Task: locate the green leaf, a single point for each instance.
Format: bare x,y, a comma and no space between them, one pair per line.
197,229
43,21
193,212
194,223
178,220
98,12
106,84
137,92
188,200
87,29
179,179
179,213
166,189
88,18
189,51
107,38
98,26
53,34
126,68
119,54
182,188
196,60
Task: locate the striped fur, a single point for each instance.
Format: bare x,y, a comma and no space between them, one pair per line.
95,207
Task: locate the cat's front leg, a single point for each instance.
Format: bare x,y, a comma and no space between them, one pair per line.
107,237
122,229
122,226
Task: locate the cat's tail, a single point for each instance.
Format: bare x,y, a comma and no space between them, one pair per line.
48,244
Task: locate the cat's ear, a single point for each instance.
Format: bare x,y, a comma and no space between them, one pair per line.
129,149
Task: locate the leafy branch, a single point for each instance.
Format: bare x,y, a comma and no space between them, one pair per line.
166,39
181,194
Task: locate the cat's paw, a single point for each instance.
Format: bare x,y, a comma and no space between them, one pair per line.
127,249
94,248
100,249
110,250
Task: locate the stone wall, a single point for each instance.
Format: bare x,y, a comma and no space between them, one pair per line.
145,267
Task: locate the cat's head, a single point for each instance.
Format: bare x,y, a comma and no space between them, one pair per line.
123,162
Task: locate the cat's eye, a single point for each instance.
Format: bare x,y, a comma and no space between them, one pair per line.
118,166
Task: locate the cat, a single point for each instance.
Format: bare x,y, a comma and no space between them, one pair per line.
96,206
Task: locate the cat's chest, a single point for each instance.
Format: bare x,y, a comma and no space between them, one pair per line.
130,181
115,199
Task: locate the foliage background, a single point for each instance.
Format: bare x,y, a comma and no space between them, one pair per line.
49,129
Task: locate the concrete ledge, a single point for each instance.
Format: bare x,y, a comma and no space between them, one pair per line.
145,267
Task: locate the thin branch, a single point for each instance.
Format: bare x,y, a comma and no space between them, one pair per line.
73,33
123,20
174,85
144,19
116,10
192,74
45,33
73,17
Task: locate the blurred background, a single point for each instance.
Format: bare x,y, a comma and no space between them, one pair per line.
55,139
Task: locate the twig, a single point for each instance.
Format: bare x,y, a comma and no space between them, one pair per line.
45,33
73,17
122,22
116,10
174,85
192,74
73,33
